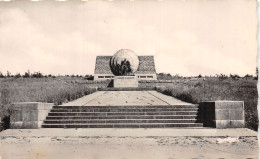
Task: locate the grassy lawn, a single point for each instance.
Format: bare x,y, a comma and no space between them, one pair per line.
198,90
52,90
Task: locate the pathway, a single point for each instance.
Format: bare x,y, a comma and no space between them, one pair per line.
121,98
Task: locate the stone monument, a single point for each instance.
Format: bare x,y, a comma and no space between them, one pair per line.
123,65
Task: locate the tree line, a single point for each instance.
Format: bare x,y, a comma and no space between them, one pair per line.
40,75
168,76
160,76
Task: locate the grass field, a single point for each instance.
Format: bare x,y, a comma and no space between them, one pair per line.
198,90
52,90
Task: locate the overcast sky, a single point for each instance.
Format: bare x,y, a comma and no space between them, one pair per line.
185,37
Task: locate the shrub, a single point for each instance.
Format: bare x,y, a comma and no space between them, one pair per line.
234,77
18,75
26,75
1,75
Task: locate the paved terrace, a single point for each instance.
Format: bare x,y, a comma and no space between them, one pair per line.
121,98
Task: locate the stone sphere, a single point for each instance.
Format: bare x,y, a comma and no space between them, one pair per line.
124,62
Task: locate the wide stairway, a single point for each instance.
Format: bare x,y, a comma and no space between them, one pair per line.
165,116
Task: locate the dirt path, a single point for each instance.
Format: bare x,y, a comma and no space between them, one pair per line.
128,147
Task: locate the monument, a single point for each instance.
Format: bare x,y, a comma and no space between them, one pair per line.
125,64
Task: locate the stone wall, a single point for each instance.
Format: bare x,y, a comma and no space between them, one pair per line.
142,83
155,84
125,81
99,84
223,114
29,115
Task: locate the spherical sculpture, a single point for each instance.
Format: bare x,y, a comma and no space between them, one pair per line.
124,63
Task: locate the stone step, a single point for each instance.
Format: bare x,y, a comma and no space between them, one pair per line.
125,110
127,107
154,116
121,113
121,121
125,117
124,125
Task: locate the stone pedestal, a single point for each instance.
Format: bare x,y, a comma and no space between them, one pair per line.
223,114
29,115
125,81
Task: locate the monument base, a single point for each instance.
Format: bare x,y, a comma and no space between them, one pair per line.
29,115
125,81
223,114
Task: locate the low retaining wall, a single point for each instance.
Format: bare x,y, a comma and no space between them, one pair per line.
223,114
154,84
147,83
127,89
98,85
125,81
29,115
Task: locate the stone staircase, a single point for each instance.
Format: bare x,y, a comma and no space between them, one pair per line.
161,116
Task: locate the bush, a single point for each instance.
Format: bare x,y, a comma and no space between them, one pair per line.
37,75
234,77
1,75
18,75
26,75
185,97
